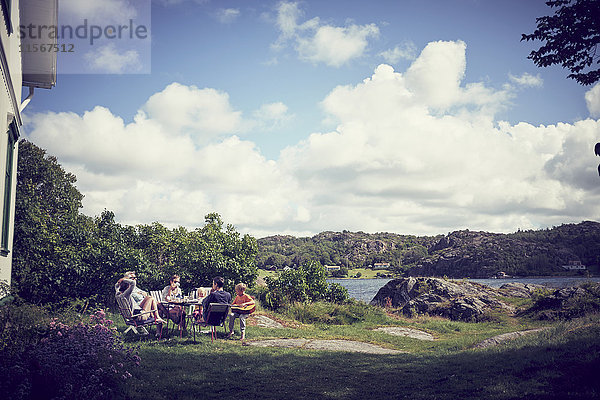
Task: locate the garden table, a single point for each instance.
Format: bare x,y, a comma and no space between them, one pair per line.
183,303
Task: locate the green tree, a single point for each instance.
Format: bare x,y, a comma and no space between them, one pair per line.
49,231
222,251
110,253
571,37
307,282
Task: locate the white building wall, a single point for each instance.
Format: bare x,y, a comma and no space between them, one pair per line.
8,112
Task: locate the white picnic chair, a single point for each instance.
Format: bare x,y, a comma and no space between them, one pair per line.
156,295
133,321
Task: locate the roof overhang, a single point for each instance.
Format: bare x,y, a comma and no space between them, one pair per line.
39,46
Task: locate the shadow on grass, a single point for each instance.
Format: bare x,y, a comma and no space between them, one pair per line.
565,370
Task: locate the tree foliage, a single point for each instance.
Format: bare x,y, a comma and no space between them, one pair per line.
49,231
346,249
571,38
307,282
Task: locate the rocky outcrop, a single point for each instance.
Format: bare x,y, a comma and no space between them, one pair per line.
457,300
517,289
566,303
470,301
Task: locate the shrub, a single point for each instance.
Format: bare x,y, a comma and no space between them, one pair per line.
83,360
336,293
307,283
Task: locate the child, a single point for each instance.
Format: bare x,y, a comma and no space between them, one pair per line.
242,306
198,309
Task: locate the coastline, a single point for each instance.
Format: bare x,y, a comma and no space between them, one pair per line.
365,289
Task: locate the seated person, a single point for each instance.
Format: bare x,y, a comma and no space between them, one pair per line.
217,295
245,306
173,292
126,288
138,294
200,293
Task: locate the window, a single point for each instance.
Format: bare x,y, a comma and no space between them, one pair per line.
13,136
6,12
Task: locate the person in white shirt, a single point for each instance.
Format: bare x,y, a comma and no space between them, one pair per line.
126,287
173,292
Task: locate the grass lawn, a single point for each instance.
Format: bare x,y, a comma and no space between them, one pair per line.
560,363
263,273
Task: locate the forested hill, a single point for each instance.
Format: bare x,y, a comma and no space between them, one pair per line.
459,254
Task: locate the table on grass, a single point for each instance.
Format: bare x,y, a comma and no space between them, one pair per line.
183,303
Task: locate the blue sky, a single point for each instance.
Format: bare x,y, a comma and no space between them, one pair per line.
416,117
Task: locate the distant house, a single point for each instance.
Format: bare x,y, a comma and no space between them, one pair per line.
19,69
574,265
330,268
381,265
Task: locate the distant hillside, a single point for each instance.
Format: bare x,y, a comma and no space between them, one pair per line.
458,254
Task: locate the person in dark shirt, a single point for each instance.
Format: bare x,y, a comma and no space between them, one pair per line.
217,295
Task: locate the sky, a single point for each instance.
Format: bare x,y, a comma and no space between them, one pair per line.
297,117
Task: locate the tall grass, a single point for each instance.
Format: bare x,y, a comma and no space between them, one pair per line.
335,314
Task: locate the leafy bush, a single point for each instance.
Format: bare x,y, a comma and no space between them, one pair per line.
336,293
308,282
56,360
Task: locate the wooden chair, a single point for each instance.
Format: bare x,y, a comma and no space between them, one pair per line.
134,321
217,315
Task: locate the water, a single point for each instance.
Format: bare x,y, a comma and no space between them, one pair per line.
366,289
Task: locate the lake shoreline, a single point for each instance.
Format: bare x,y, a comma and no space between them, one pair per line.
366,289
468,278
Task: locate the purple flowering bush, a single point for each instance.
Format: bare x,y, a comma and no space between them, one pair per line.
86,360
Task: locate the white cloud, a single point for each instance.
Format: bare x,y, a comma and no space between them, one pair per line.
109,59
321,43
204,112
417,151
106,11
287,17
336,46
434,78
273,115
168,3
421,152
155,169
527,80
227,15
592,99
406,51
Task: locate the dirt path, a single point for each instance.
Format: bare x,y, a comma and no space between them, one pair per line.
332,345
